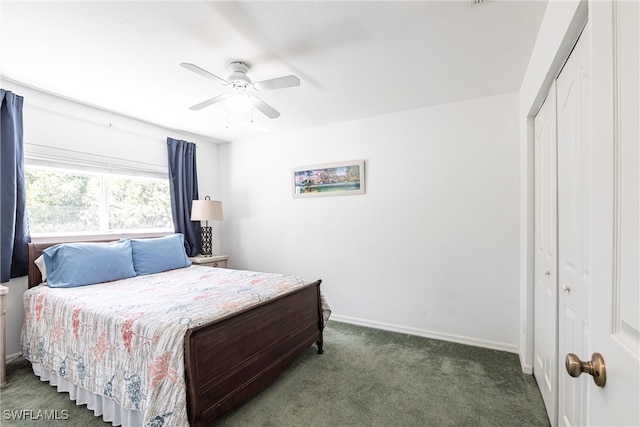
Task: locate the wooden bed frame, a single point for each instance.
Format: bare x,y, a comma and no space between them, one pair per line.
231,359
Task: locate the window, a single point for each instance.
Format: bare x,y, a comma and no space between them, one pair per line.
71,201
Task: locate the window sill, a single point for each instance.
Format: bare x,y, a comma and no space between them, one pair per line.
80,237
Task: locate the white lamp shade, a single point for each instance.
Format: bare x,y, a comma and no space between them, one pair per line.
239,102
206,210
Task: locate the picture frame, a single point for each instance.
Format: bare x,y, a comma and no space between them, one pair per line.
329,179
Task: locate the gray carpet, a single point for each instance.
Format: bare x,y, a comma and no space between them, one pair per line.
366,377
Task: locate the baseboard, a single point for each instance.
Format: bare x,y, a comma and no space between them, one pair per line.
494,345
11,358
527,369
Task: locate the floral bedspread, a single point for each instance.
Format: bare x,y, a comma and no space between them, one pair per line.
125,339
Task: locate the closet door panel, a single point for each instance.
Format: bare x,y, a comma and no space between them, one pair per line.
615,318
574,188
546,292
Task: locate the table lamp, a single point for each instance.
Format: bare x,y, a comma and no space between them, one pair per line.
206,210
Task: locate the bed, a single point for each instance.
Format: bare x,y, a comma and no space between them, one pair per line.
217,355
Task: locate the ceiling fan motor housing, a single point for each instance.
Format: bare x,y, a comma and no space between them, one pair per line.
238,77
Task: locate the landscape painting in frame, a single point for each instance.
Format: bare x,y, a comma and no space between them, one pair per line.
331,179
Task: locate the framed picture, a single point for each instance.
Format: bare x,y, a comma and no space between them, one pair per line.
330,179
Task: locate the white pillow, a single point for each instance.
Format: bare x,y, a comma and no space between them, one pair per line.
42,267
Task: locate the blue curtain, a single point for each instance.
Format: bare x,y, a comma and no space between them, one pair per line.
14,225
183,184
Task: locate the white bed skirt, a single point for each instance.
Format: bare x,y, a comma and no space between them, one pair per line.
100,405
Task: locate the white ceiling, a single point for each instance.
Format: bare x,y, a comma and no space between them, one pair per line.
355,59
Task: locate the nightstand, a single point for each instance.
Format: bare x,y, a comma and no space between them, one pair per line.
219,261
3,291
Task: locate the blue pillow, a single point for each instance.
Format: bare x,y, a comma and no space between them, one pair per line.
78,264
159,254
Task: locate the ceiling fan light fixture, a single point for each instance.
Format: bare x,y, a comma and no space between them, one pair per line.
239,102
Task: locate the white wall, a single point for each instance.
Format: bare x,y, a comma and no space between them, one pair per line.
51,121
431,248
561,25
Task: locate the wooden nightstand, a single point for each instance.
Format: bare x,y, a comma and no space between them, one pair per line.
3,291
219,261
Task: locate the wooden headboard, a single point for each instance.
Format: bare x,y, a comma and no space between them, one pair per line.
35,250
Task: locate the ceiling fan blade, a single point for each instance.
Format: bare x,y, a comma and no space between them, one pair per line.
265,108
277,83
208,102
202,72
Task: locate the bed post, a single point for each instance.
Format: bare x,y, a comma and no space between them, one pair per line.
321,312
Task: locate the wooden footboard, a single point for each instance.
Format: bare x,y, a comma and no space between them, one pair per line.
230,360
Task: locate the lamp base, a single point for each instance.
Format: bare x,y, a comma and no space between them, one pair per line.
205,237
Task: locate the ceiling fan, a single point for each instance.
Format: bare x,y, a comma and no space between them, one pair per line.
241,98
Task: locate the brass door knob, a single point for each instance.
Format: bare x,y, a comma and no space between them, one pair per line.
596,367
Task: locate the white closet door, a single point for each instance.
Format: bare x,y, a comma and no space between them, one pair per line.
616,245
574,189
545,366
